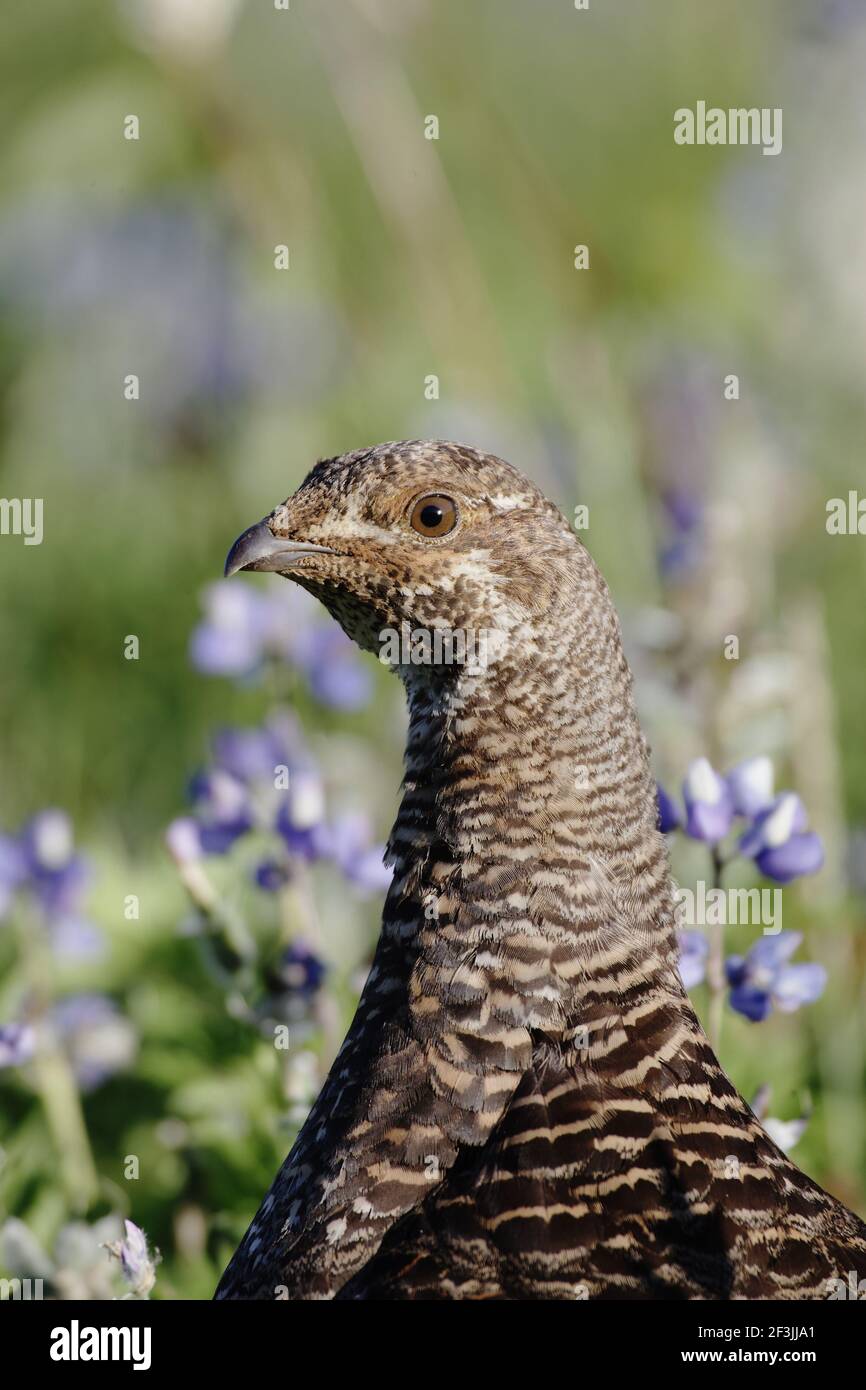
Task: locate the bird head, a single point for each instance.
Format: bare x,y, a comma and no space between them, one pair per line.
419,535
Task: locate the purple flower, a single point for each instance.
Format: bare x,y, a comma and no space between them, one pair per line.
228,643
263,779
254,755
684,509
668,812
684,517
785,1133
133,1253
56,874
780,843
709,806
751,786
300,819
136,1261
335,675
801,854
234,637
786,816
41,860
183,838
99,1040
48,842
300,971
359,859
223,809
244,627
17,1044
74,938
694,949
764,979
271,875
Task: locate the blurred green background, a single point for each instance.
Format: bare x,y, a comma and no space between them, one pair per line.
411,258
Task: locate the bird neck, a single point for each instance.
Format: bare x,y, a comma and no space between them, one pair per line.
529,811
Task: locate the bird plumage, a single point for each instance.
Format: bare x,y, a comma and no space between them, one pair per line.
525,1106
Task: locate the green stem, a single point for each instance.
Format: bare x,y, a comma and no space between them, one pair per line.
55,1080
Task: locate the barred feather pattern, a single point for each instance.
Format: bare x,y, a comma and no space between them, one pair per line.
525,1106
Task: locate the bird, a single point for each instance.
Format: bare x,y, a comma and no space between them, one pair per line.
526,1106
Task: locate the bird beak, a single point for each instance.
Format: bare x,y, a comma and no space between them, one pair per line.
259,549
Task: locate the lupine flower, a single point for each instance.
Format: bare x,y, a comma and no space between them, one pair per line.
682,549
252,755
183,838
694,949
300,971
357,856
245,627
233,638
684,508
74,938
265,780
42,863
301,817
709,805
222,807
262,779
97,1037
55,873
778,839
780,843
764,979
348,842
17,1044
330,662
271,875
136,1261
785,1133
751,786
77,1269
669,812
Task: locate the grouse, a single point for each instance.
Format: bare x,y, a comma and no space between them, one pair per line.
525,1106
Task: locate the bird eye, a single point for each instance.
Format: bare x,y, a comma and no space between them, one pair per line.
433,515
